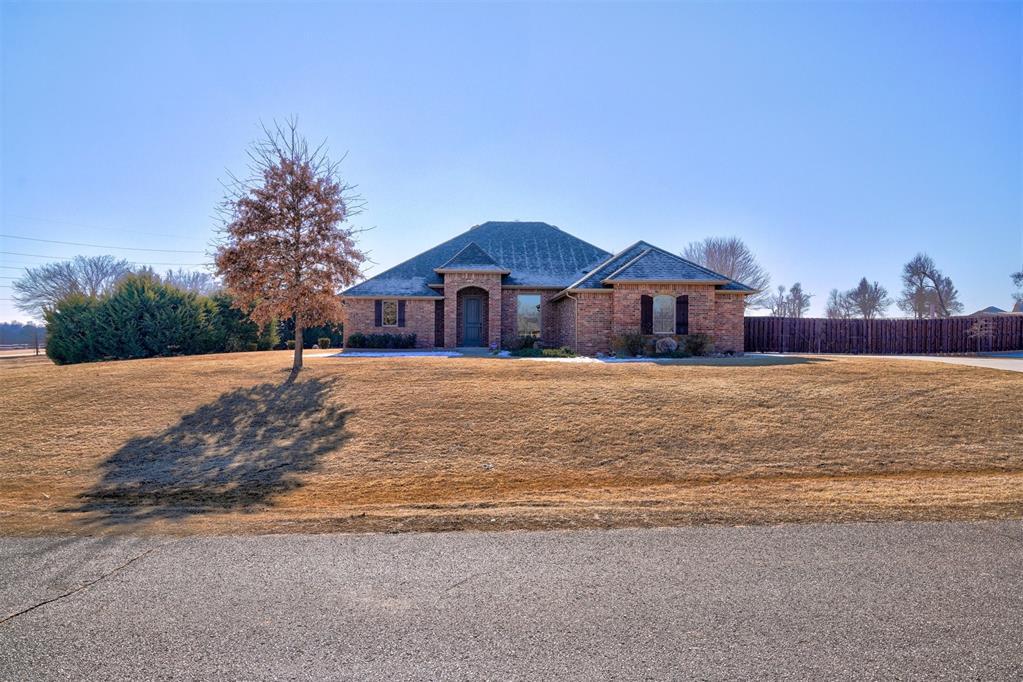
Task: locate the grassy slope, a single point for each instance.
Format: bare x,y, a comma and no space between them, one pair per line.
227,443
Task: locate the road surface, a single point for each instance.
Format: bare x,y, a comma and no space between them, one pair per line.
901,600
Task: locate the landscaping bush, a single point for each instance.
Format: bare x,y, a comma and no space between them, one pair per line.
251,347
513,343
563,352
324,342
394,341
629,344
70,330
698,344
290,343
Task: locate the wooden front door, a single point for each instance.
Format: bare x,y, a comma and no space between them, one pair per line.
472,315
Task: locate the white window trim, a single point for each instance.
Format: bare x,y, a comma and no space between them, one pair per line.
383,315
674,322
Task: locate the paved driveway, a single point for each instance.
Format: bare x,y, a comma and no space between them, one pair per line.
1012,362
924,601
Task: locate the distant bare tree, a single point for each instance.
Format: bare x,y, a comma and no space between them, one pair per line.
201,283
42,286
838,306
795,303
983,332
731,257
926,289
1017,279
868,300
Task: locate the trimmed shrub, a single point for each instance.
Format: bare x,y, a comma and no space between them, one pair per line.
251,347
291,344
629,344
71,330
698,344
563,352
513,343
393,341
324,342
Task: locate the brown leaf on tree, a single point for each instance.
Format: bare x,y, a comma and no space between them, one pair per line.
287,248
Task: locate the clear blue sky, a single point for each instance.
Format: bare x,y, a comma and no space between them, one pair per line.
837,140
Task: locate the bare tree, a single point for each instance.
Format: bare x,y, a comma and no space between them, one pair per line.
925,290
795,303
868,300
286,250
731,257
838,306
1017,279
201,283
983,332
42,286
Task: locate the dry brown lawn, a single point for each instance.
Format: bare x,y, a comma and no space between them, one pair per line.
229,443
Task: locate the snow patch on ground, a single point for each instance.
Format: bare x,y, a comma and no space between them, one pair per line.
396,354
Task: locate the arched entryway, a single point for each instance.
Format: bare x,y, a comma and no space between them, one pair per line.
472,315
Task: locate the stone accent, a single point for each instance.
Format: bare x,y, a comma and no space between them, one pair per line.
490,283
360,315
548,314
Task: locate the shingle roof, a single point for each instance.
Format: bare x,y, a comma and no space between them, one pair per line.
539,255
472,257
643,261
536,254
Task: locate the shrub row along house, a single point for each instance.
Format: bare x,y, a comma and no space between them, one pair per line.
501,280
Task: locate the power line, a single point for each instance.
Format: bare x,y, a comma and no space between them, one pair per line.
94,227
97,246
38,255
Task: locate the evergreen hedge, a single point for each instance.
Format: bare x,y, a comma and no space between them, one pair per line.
143,318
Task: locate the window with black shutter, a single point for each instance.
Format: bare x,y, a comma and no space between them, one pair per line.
682,315
377,313
646,314
401,313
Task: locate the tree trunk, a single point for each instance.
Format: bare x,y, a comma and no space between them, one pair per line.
298,344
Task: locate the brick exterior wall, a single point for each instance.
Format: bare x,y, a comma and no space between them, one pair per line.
729,333
548,314
586,322
593,322
490,283
360,315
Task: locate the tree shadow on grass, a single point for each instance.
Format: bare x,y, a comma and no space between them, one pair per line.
232,455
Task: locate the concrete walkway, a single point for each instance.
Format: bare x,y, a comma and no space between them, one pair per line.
855,601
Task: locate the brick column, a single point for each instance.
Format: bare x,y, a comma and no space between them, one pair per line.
450,313
494,314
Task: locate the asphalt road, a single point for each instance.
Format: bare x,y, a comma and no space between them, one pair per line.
904,600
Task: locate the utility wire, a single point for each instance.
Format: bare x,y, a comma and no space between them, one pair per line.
94,227
38,255
97,246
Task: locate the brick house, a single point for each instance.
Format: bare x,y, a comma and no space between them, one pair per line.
500,280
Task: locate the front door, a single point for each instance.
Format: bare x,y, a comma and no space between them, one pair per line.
472,314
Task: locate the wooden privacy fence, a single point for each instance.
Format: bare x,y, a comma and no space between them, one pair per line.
882,337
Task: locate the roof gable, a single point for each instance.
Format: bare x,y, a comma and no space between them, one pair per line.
534,254
648,263
471,257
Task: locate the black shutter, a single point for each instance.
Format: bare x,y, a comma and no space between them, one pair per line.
378,313
682,315
646,314
401,313
438,324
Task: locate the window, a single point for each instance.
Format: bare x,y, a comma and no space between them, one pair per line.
389,316
664,314
528,314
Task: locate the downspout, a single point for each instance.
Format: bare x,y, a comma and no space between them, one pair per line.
575,320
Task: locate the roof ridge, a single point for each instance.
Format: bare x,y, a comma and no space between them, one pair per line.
598,266
630,263
697,265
